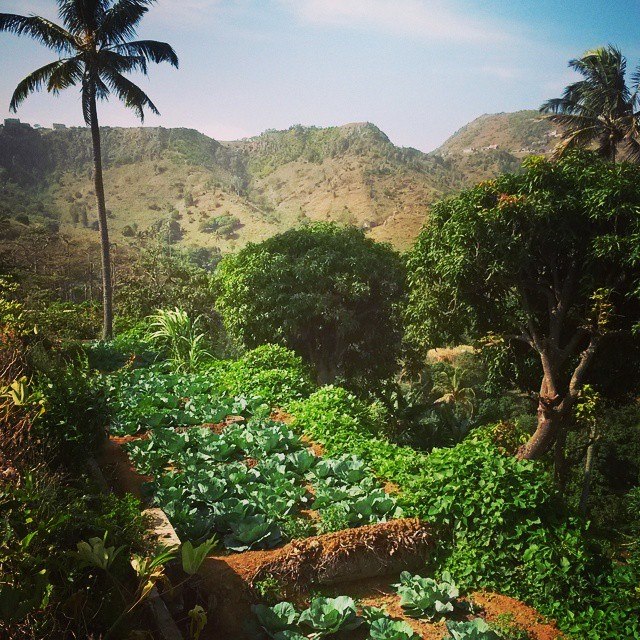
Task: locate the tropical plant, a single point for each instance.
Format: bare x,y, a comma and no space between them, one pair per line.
600,109
95,553
198,621
425,597
149,570
547,259
180,335
96,50
192,557
454,393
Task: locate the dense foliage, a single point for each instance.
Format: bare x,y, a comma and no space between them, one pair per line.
548,258
249,483
325,291
249,451
508,528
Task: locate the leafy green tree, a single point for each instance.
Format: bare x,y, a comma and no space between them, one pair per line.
95,51
325,291
601,108
549,258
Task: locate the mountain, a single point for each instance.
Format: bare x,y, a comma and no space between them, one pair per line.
204,192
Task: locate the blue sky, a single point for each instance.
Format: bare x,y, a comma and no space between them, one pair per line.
419,69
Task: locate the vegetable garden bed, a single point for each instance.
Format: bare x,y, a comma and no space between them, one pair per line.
255,485
288,519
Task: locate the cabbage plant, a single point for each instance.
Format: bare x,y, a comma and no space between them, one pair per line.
476,629
326,616
388,629
425,597
277,619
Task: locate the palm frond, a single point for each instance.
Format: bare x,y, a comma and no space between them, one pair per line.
33,82
40,29
131,95
151,50
575,140
115,61
121,20
635,78
92,86
82,16
554,105
571,123
67,74
633,149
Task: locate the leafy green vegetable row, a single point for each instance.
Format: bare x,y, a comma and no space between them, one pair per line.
149,398
326,617
249,484
156,396
419,597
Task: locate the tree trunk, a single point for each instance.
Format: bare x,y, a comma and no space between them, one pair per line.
326,372
553,408
550,420
107,290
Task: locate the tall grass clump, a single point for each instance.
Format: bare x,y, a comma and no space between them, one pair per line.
180,337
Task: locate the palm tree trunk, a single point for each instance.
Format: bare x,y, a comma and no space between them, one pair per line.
107,289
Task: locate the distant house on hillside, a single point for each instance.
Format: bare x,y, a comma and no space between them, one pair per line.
57,126
15,122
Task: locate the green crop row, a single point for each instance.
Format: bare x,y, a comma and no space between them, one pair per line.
250,483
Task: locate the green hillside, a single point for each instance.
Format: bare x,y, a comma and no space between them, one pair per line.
224,194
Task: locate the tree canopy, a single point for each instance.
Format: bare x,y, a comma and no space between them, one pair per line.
326,291
549,258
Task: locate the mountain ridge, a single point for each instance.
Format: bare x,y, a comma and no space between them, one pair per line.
225,193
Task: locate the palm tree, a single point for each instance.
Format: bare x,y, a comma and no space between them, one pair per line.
601,109
95,50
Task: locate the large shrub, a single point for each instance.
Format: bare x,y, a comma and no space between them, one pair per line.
272,373
325,291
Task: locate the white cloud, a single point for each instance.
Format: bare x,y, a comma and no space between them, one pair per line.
426,19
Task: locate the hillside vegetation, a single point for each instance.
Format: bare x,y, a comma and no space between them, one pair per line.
223,194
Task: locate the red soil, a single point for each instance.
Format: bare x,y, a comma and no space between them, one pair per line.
495,604
118,468
316,449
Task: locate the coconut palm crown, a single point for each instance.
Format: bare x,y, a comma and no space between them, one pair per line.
95,48
601,109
